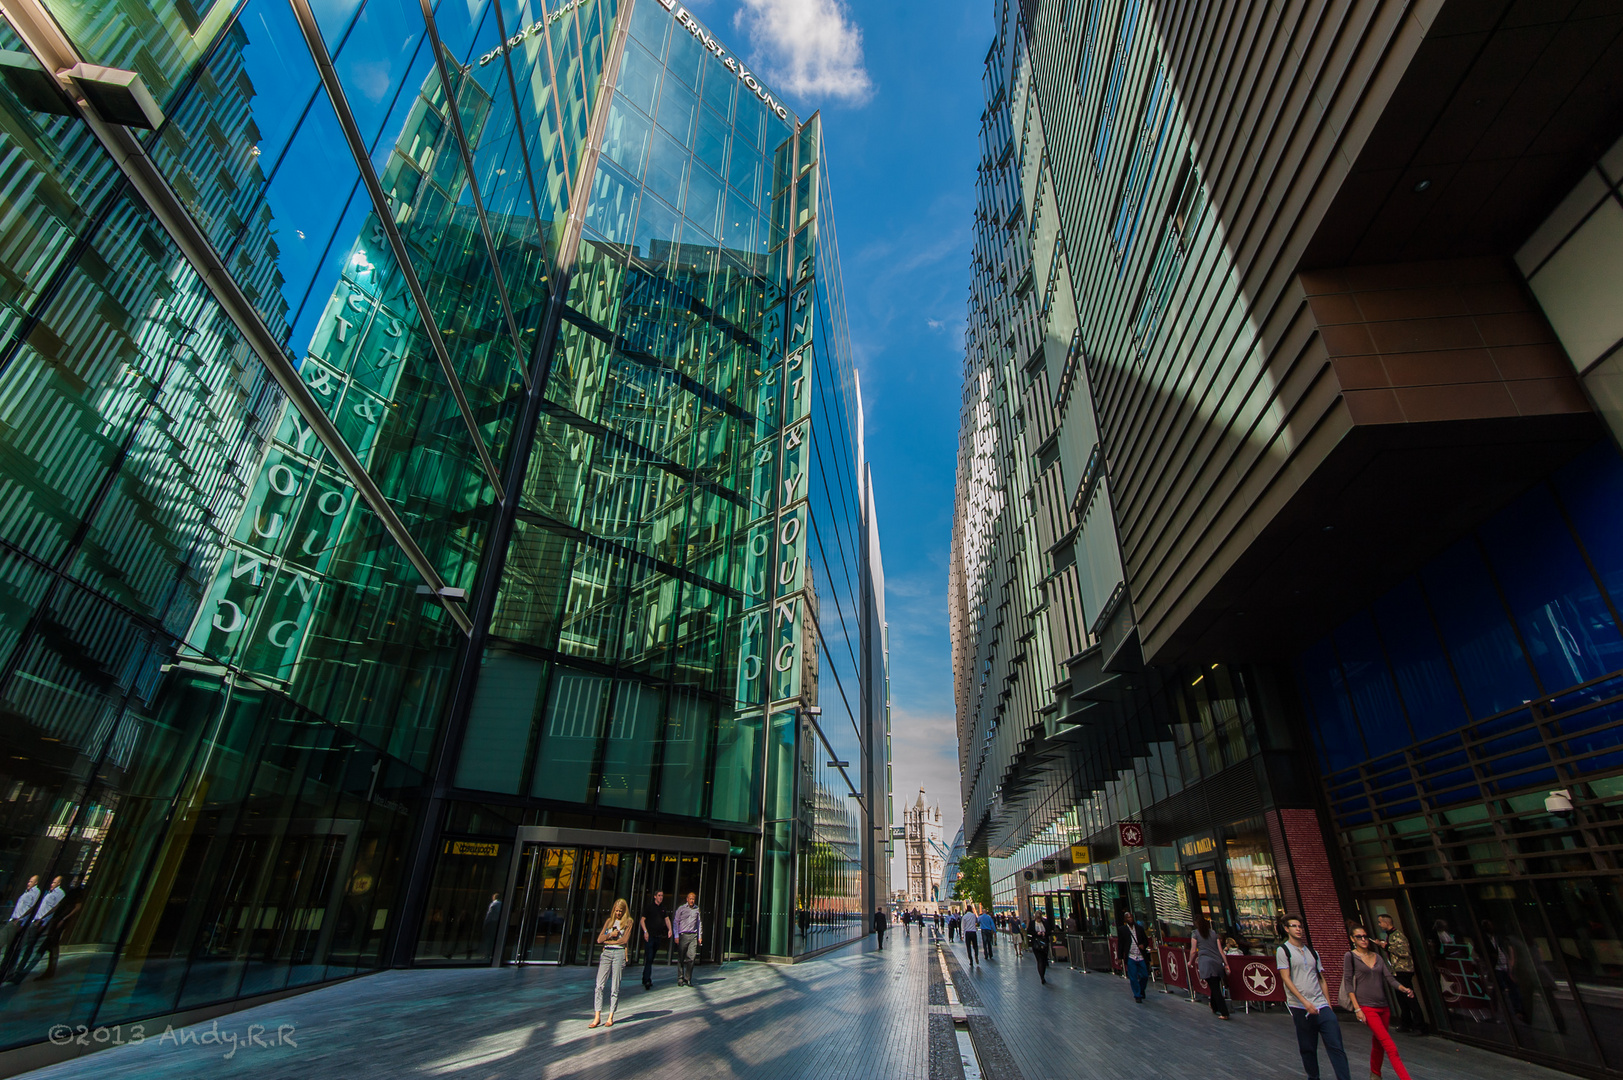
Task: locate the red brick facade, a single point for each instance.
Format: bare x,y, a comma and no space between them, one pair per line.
1308,887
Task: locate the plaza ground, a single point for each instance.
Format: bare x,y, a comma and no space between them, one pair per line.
854,1013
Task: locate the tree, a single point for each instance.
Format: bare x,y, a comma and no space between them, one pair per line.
974,882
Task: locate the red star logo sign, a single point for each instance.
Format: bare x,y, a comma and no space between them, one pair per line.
1132,834
1172,965
1259,979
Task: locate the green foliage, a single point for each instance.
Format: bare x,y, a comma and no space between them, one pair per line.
976,884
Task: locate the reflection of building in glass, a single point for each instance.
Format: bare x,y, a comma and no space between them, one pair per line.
1283,571
396,567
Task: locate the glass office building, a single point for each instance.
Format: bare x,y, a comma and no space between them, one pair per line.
432,501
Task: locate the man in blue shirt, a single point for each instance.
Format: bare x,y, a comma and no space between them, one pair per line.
20,915
988,932
689,930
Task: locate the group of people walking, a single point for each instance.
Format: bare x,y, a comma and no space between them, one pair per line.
34,930
654,928
1369,990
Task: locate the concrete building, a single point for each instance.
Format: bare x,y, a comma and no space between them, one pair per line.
1284,563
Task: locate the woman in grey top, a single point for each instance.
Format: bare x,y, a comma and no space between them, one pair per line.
1370,989
1206,955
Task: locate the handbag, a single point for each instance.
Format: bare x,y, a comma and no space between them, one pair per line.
1344,995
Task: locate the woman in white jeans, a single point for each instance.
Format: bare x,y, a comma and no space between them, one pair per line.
613,937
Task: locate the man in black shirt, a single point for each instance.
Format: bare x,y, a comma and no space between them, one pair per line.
655,925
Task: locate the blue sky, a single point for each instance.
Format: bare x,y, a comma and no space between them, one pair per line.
899,85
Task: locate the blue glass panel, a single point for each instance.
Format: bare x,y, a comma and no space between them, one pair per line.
1603,763
1464,794
667,168
651,25
686,56
613,204
1374,695
676,108
719,87
1340,743
1423,679
382,55
639,78
1591,489
703,206
1551,592
1491,667
625,140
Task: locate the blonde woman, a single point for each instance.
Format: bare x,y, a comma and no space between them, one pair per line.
613,937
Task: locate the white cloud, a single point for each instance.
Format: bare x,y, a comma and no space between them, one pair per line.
812,47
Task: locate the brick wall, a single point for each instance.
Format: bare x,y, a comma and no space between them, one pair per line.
1308,886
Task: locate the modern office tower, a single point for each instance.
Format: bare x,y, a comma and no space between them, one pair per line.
1285,554
432,505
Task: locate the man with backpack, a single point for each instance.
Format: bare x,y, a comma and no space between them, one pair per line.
1303,974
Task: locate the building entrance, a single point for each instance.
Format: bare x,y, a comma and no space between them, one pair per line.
562,892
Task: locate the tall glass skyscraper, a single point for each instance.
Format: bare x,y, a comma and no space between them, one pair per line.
432,504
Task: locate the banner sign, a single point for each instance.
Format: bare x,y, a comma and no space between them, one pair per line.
1461,984
1131,834
1254,978
1175,965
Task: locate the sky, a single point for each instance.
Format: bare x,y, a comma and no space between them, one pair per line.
899,84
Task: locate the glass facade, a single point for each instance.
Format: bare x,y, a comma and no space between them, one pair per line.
1467,726
517,459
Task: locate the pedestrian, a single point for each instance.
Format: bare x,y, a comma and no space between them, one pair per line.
1133,944
1040,934
493,924
907,923
1206,955
1369,989
971,934
688,929
1302,972
36,927
988,932
952,926
881,923
62,920
1400,958
655,925
613,937
21,912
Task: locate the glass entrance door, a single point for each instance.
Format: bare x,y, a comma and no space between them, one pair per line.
546,879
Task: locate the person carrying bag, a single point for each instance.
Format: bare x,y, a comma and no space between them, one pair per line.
1369,990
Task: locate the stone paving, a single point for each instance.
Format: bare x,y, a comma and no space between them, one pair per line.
851,1015
854,1013
1087,1025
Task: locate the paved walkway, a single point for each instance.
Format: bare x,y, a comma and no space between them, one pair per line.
1088,1026
854,1014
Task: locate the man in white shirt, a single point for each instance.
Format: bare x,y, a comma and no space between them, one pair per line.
36,927
1303,975
20,914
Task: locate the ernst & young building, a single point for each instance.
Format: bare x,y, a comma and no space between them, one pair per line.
432,502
